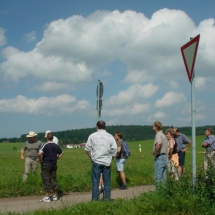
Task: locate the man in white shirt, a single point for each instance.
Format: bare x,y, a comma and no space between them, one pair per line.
55,139
101,148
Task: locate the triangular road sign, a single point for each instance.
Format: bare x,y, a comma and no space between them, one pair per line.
189,51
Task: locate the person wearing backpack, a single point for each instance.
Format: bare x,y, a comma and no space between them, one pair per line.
120,160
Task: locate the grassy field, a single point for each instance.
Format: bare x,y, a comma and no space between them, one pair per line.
74,169
74,174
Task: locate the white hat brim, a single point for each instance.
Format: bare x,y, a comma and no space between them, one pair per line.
31,135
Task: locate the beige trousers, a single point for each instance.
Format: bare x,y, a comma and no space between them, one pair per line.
29,164
209,159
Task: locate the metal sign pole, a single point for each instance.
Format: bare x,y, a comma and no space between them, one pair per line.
193,130
98,100
189,51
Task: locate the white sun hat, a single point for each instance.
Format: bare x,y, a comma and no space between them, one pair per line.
31,134
47,133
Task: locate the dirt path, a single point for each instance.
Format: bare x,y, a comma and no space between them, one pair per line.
31,203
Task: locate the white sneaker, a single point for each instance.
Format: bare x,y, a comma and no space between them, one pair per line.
54,198
45,199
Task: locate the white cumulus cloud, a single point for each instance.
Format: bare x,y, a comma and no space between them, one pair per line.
200,83
157,116
130,109
206,30
135,54
51,86
31,36
134,93
173,84
169,99
137,76
62,104
75,47
21,65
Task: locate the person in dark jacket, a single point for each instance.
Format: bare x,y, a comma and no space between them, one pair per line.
48,156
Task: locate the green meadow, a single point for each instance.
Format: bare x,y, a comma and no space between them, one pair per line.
74,169
74,175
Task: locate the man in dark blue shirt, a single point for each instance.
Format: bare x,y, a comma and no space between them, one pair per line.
48,156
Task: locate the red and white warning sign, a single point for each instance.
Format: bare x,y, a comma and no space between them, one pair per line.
189,51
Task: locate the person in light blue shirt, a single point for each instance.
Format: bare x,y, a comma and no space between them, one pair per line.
209,145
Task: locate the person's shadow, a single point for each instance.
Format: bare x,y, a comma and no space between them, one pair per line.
61,193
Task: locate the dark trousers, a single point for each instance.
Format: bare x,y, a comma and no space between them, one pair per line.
181,156
97,169
49,176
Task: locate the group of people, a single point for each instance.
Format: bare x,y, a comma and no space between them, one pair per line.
101,147
47,154
169,151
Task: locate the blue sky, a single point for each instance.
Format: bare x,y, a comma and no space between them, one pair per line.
52,54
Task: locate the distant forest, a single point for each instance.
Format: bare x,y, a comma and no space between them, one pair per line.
130,133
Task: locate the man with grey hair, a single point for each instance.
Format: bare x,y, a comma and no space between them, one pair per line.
101,148
30,149
209,145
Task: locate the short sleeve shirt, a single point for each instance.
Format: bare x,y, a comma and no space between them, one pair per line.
32,149
50,153
119,144
211,141
181,141
161,138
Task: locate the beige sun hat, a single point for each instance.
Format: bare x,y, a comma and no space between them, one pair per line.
47,133
31,134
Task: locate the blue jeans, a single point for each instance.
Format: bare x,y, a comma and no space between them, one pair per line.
160,169
97,169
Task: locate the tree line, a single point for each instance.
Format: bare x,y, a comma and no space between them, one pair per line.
130,133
